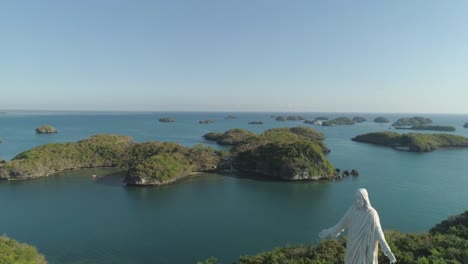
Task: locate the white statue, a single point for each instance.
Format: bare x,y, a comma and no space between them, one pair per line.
364,232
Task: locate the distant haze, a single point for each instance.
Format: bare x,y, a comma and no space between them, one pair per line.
246,55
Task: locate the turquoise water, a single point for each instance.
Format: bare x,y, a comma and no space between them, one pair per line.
73,218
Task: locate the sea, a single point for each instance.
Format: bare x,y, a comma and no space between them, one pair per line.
74,218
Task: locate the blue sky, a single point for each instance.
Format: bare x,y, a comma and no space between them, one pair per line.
239,55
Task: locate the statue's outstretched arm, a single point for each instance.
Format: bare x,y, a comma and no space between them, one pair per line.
336,229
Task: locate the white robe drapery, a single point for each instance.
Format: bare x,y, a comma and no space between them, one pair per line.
364,233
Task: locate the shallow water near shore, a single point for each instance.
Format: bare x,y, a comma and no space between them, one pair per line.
75,218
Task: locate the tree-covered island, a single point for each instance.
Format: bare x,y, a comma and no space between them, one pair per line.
284,153
339,121
381,119
46,129
429,127
414,142
413,121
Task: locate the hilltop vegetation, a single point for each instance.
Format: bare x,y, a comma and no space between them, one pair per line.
11,251
381,119
284,153
413,121
229,137
149,163
414,142
446,243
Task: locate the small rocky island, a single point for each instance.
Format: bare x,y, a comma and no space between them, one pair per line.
359,119
230,137
413,142
429,127
206,121
166,120
465,125
289,118
413,121
338,121
46,129
381,119
255,123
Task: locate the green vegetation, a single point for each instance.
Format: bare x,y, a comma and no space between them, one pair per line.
289,118
414,142
338,121
148,163
446,243
11,251
284,153
429,127
46,129
166,120
229,137
414,121
156,163
359,119
381,119
255,123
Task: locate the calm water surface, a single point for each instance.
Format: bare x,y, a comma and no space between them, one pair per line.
73,218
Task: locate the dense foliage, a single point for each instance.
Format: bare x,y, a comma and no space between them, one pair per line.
96,151
414,142
413,121
381,119
11,251
446,243
284,153
230,137
148,163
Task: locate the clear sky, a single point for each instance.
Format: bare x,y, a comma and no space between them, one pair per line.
237,55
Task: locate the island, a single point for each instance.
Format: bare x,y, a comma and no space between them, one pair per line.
296,153
255,123
413,121
229,137
359,119
429,127
207,121
166,120
322,118
284,154
338,121
148,163
413,142
381,119
465,125
289,118
230,117
46,129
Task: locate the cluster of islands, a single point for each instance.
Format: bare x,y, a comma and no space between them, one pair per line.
295,153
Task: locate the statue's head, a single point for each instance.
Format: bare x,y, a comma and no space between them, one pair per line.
362,199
